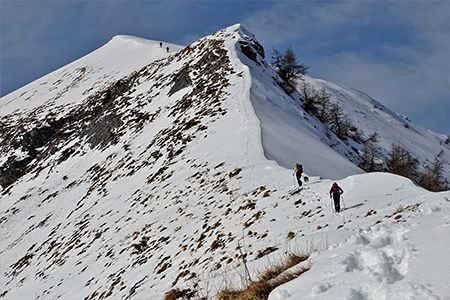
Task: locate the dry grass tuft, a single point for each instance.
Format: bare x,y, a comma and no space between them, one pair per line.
267,281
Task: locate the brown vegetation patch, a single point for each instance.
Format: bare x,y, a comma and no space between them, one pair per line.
235,172
265,252
290,235
370,212
267,281
249,205
180,294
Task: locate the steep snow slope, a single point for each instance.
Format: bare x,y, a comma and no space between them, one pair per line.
135,163
371,116
288,134
74,82
159,181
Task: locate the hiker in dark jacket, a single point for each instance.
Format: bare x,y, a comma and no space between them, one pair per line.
298,173
336,192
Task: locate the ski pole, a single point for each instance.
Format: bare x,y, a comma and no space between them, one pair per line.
343,202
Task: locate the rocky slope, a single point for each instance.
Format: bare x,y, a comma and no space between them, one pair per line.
134,171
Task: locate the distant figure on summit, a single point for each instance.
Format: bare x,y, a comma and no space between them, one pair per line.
160,44
336,191
167,49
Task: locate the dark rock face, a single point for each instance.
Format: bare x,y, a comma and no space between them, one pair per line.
40,136
180,81
248,51
36,138
252,49
12,170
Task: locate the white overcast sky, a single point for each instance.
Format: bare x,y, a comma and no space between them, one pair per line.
395,51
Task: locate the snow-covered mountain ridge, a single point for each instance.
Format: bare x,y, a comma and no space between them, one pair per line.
142,171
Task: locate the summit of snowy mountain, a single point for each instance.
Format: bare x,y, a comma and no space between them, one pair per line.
146,167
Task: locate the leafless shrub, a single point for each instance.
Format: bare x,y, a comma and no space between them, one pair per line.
432,178
401,162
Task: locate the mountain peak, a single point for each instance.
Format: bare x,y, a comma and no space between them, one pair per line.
140,169
239,28
247,42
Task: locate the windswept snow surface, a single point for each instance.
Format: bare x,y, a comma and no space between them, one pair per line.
186,194
289,135
393,245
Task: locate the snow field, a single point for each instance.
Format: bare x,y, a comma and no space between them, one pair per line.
183,207
385,258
